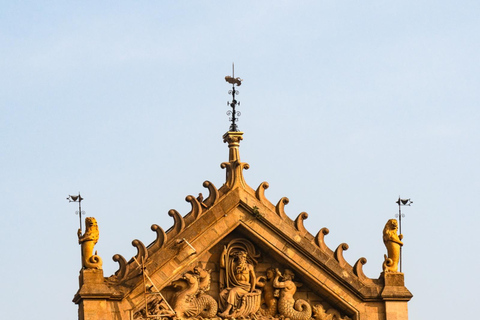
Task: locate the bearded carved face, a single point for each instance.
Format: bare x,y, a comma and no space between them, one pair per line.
242,257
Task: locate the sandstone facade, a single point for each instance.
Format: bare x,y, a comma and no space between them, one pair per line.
237,255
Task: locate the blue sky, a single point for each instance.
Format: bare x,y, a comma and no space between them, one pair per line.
345,106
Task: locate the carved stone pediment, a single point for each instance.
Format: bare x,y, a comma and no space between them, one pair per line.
236,255
238,279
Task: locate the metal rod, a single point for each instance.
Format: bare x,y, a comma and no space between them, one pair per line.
80,209
188,243
144,272
400,227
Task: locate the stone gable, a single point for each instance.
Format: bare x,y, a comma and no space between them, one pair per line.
214,263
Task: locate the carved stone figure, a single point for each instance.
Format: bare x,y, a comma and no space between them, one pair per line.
238,297
269,294
287,306
88,241
191,301
204,278
319,313
156,307
393,243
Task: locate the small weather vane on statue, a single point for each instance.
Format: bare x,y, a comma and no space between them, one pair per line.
401,203
233,114
78,199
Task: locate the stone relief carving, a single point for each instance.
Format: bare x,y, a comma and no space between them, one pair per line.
287,306
269,294
239,297
88,241
393,242
240,293
319,313
156,308
190,300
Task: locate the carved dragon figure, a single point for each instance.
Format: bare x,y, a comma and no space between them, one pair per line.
191,301
287,306
203,277
88,241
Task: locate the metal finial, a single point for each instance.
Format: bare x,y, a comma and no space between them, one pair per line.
78,199
233,114
400,215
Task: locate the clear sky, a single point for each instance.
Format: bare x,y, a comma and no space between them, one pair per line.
345,106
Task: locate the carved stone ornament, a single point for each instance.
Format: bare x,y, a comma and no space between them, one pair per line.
240,292
393,242
88,241
190,300
238,296
237,256
287,306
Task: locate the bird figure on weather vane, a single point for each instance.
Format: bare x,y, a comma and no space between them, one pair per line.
233,114
233,80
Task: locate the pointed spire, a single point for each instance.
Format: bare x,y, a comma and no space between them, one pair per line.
233,137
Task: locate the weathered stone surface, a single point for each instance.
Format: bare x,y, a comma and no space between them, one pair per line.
260,263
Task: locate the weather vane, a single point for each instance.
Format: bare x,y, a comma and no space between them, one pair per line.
78,199
400,215
233,114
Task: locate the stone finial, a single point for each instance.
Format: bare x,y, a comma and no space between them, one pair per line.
88,241
392,241
234,166
233,139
